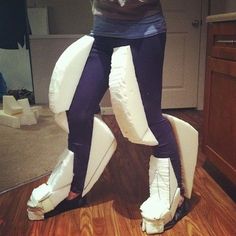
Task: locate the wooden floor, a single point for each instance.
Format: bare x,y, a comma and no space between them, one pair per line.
113,203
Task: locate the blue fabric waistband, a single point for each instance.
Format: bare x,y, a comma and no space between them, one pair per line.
145,27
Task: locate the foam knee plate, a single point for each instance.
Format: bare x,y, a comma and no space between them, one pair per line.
67,72
100,153
126,99
187,139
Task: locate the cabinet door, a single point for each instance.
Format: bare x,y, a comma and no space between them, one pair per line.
220,119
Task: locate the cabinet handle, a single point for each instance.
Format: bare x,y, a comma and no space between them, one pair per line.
226,41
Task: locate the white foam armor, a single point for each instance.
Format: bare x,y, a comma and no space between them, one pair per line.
29,116
11,106
126,99
67,73
9,120
161,206
187,140
128,108
18,112
48,196
155,212
100,153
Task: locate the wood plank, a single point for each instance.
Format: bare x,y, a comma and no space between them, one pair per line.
113,203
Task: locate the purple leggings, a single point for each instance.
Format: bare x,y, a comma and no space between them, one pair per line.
148,55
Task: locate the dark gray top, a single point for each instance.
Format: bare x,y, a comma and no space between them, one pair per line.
126,9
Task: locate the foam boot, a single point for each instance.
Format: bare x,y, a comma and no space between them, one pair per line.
160,207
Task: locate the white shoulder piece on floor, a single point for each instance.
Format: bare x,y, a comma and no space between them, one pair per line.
126,99
48,196
67,73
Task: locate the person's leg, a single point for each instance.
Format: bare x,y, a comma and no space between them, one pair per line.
89,92
148,56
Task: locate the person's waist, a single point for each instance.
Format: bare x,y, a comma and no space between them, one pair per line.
129,29
127,15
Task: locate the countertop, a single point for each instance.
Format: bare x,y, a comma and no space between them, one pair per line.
221,17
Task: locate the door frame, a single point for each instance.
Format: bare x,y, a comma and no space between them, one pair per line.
202,53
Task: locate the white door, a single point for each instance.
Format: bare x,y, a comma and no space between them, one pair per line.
181,65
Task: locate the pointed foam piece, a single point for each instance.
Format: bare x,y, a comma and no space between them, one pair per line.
28,117
10,105
9,120
24,103
187,139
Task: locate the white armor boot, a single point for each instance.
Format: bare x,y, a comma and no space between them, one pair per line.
160,207
187,140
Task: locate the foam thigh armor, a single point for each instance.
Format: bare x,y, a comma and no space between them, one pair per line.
67,72
126,99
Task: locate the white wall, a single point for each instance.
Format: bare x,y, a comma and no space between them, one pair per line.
15,67
66,16
43,61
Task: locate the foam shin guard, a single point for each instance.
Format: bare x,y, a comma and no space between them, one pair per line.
47,196
161,206
187,140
